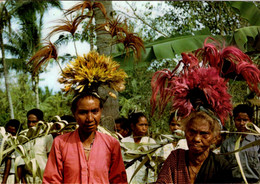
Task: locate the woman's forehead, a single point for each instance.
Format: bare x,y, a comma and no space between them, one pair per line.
199,124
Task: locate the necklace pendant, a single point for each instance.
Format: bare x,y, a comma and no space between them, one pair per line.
86,149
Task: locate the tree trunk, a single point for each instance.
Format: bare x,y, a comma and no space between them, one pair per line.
8,94
37,91
104,40
111,106
35,83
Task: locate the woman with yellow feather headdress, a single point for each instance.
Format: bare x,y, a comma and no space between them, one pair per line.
85,155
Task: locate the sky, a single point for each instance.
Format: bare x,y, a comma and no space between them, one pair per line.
50,77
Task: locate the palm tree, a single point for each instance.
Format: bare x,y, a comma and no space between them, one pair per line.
5,21
30,14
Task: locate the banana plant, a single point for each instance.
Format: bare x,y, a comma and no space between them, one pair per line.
246,38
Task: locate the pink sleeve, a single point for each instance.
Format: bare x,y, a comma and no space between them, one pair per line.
117,173
53,172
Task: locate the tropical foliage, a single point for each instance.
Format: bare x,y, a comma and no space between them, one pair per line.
166,37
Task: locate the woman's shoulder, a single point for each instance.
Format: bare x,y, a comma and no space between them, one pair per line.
64,137
107,138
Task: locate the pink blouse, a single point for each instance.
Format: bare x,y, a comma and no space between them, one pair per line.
67,162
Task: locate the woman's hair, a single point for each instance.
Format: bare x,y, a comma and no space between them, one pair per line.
82,95
213,123
244,108
37,112
175,116
134,117
14,123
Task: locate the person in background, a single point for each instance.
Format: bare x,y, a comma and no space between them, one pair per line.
179,139
38,148
122,127
85,155
7,172
249,157
69,119
198,164
139,127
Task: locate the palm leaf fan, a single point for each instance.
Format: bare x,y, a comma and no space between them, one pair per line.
43,55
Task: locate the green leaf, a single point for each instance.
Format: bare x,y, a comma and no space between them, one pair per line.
237,145
169,47
241,35
146,158
247,10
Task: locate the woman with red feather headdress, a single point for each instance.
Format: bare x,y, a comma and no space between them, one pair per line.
199,94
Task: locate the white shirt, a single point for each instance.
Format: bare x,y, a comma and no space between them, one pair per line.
144,175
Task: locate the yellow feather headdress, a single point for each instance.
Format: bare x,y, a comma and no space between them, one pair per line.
87,73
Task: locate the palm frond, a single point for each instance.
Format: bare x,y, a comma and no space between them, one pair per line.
68,26
86,5
43,55
133,42
113,26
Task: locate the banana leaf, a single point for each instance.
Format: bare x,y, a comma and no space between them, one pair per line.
237,145
247,39
247,10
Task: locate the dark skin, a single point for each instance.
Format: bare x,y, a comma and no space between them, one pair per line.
140,129
88,115
12,130
240,121
199,138
32,121
7,169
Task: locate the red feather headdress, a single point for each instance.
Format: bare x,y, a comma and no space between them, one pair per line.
204,84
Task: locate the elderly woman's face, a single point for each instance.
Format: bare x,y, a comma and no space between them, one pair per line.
88,114
199,136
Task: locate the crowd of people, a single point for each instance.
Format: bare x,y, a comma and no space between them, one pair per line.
76,157
200,107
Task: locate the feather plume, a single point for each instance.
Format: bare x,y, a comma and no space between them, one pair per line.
67,26
227,60
208,82
161,85
90,71
120,31
42,56
251,74
86,5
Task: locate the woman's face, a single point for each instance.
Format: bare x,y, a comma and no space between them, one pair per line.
199,136
175,125
141,128
241,120
88,114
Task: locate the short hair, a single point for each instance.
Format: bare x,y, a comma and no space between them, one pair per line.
244,108
135,116
173,115
14,123
82,95
214,124
68,118
37,112
124,123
